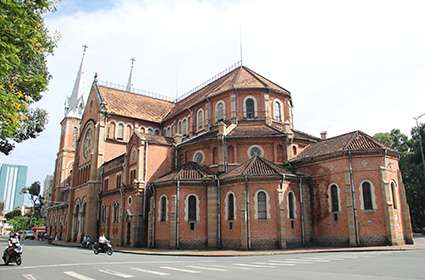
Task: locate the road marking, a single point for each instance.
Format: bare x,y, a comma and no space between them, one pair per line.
316,259
275,263
150,271
206,268
29,277
116,273
235,267
298,261
180,269
254,265
77,275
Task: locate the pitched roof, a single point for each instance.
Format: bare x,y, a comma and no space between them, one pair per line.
254,130
352,141
240,78
256,166
303,135
134,105
156,139
191,171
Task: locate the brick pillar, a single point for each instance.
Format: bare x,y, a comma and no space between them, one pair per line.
267,113
151,230
233,110
281,216
307,213
173,222
138,237
244,221
350,210
212,216
405,212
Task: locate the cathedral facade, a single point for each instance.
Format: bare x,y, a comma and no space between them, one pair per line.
223,167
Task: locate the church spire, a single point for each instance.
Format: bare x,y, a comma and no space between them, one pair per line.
129,84
75,103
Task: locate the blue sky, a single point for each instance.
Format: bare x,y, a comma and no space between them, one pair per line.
348,64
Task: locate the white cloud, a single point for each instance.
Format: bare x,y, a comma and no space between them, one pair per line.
349,64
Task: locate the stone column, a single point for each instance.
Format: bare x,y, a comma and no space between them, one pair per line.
173,222
233,110
244,221
212,218
351,210
307,213
405,212
138,235
267,109
281,216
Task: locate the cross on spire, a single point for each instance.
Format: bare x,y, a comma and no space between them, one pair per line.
129,83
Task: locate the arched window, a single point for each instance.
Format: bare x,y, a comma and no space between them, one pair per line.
294,150
277,108
179,128
214,155
184,127
156,131
255,150
261,205
394,195
200,119
230,154
334,198
250,108
142,129
280,151
198,157
120,132
192,208
163,209
367,196
220,111
291,205
115,212
230,207
168,132
74,137
128,132
150,130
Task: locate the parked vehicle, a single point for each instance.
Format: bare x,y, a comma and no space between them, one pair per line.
13,253
87,241
103,248
29,234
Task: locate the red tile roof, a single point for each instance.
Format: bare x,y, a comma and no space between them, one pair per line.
254,130
127,104
353,141
240,78
256,166
191,171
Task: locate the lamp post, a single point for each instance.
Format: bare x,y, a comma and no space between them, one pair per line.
420,140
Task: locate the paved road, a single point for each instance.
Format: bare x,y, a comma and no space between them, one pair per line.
41,261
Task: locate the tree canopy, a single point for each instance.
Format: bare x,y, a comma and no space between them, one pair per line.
24,45
411,168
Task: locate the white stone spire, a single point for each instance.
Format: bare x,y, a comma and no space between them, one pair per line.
75,103
129,84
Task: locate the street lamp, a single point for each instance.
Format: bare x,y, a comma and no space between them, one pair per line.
420,140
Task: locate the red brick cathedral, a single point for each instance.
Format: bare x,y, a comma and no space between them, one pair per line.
222,167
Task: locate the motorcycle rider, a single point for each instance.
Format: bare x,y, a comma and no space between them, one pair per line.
102,241
13,243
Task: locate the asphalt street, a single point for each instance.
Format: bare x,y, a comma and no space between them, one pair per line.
42,261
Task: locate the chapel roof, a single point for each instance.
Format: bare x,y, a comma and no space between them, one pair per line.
128,104
239,78
256,167
357,141
190,171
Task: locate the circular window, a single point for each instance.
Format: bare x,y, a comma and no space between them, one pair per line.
255,151
87,143
129,200
198,157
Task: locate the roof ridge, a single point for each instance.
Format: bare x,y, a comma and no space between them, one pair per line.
255,73
353,137
255,76
134,93
270,164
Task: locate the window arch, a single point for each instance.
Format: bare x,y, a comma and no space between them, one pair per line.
192,206
214,155
394,194
184,126
230,207
261,205
142,130
294,150
150,130
220,111
199,157
291,206
179,127
255,150
156,131
250,107
334,198
112,126
163,208
280,151
367,196
128,131
120,131
200,119
277,110
115,212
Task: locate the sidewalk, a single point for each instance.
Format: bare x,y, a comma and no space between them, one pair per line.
233,253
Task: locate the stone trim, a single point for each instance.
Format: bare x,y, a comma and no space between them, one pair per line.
226,206
160,208
186,207
330,198
255,106
372,191
295,204
256,204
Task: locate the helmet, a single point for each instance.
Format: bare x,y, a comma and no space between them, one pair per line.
13,235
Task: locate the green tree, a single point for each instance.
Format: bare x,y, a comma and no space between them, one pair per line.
20,223
12,214
34,192
24,46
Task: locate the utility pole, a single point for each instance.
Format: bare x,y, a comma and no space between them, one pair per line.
420,140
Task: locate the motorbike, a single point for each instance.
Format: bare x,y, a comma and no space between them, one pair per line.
13,253
103,248
87,242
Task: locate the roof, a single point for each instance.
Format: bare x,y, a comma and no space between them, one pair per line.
303,135
156,139
254,130
352,141
256,166
191,171
240,78
134,105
